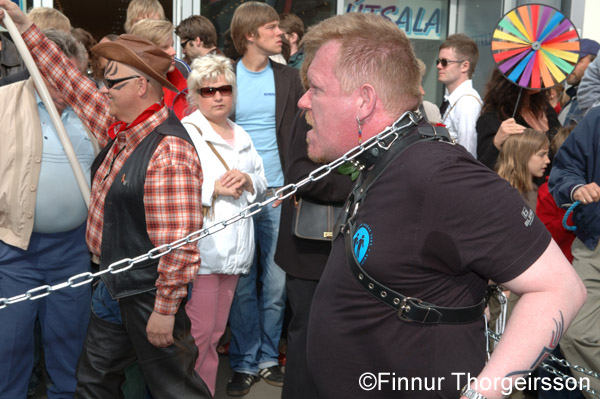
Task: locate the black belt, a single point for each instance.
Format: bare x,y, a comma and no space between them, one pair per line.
408,308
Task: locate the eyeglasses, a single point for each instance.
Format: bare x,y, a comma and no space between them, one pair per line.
445,62
109,83
207,92
185,42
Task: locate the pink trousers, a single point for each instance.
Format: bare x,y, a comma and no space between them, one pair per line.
208,311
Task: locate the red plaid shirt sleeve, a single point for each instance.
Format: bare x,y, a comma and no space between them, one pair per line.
79,91
173,202
172,192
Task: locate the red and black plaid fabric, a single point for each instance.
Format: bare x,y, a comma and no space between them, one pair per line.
172,192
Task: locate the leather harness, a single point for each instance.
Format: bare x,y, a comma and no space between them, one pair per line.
408,309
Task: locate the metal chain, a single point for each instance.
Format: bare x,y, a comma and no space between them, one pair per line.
252,209
563,362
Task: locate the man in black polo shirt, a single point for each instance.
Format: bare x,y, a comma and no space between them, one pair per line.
432,228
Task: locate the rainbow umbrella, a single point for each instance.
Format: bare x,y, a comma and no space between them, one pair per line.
535,46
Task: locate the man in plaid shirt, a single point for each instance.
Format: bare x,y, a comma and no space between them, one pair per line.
145,193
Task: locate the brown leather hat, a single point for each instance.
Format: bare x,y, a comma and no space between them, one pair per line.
140,54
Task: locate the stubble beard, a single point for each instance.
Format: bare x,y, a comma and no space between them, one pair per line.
313,157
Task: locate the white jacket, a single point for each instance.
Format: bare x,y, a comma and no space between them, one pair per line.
231,250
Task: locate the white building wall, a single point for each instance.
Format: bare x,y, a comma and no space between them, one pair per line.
43,3
591,11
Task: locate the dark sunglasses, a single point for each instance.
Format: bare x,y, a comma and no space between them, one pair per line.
109,83
211,91
445,62
185,42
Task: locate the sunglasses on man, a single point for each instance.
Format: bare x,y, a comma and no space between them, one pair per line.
208,92
109,83
445,62
185,42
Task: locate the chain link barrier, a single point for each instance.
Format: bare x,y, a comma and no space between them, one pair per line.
252,209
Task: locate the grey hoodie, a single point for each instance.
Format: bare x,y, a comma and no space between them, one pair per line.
588,93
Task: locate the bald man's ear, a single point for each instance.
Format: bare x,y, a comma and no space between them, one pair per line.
367,100
143,87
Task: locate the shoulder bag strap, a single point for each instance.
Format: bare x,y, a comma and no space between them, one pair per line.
456,102
211,146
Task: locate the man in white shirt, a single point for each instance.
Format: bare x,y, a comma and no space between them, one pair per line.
456,64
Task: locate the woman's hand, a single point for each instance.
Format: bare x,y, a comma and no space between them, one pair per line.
507,128
222,191
233,183
235,178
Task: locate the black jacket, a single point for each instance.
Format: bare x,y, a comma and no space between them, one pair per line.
299,257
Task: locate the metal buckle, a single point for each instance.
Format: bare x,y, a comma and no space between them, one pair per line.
382,144
415,117
405,307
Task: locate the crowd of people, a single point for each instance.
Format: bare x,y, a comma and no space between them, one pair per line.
389,302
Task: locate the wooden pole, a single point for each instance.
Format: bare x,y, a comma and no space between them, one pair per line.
49,103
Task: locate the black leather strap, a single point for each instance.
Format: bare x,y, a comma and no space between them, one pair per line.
380,156
408,309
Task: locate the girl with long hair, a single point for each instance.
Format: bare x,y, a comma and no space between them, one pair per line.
522,158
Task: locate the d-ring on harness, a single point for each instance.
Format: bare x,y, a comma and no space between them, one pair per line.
408,308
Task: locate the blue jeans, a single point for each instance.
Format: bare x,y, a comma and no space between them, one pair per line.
64,314
256,315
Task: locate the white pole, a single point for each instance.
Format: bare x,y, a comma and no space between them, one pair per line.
45,95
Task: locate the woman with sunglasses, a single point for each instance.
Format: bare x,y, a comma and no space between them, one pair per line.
496,123
233,178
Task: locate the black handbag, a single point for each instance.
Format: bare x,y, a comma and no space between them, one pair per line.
314,221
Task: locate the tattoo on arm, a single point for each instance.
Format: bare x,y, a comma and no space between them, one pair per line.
557,333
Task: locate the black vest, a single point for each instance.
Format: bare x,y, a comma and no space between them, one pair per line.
124,233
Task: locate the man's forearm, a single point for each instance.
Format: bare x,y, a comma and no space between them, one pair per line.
78,91
526,342
551,295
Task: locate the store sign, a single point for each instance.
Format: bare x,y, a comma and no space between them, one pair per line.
419,19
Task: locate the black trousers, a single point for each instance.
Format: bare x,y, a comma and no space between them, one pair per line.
298,383
110,347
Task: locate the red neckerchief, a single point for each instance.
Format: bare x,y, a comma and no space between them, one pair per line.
116,127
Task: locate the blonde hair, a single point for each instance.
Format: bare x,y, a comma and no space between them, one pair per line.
422,67
207,69
513,162
373,50
155,30
49,18
560,137
247,18
142,9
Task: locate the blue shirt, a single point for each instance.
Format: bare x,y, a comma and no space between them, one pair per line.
255,112
59,204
